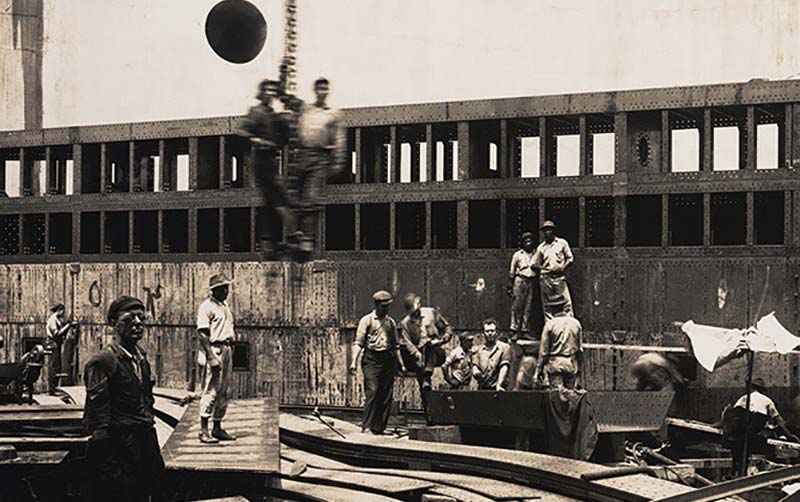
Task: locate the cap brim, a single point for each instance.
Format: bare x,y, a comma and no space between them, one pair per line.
226,283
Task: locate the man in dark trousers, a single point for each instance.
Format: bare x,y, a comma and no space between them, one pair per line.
377,339
123,449
268,131
57,331
423,332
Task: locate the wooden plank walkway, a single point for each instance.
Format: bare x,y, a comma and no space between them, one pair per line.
257,450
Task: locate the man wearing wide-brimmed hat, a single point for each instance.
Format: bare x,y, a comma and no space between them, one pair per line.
552,258
215,331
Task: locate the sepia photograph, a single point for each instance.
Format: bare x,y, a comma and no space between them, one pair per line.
399,250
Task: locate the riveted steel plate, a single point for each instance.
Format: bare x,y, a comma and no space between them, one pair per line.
105,133
395,114
9,139
60,136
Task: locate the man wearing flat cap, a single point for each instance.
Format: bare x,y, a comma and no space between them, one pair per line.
552,258
123,448
377,339
215,331
526,317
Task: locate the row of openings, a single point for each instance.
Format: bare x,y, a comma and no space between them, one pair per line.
728,222
147,168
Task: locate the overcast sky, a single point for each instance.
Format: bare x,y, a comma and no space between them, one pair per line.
133,60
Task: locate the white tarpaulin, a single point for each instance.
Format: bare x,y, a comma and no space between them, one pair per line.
709,342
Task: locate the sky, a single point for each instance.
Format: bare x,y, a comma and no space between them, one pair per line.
108,61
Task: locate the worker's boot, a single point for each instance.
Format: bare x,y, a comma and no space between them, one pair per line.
205,436
219,433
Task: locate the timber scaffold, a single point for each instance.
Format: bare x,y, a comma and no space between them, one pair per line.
666,224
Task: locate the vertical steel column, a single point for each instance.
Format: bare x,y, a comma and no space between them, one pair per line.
429,149
223,165
428,225
163,167
581,222
503,152
48,171
666,143
546,167
357,178
103,163
46,233
392,226
463,150
542,205
788,134
665,240
708,141
22,177
751,154
416,156
787,218
194,152
795,219
706,219
77,168
621,143
221,234
750,222
620,221
503,224
253,229
131,166
76,233
462,217
192,244
130,232
583,161
394,148
357,229
160,227
102,232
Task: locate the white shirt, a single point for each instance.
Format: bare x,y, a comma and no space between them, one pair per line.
759,403
522,264
552,256
216,317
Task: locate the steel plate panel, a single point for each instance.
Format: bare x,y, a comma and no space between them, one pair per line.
445,281
407,278
395,114
15,139
60,136
707,291
483,293
644,288
593,288
367,278
768,290
105,133
261,293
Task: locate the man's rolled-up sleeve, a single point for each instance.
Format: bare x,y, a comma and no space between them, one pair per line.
97,410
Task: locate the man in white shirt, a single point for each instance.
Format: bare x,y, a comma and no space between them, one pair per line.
552,258
522,275
60,359
215,331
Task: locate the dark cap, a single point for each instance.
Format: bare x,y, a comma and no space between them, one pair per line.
382,297
548,224
57,307
527,235
123,304
218,280
758,384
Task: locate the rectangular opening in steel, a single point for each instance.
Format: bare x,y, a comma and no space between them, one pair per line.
643,220
484,138
34,172
33,234
768,218
524,151
238,162
208,163
9,234
208,230
60,233
90,233
375,143
116,226
728,219
770,136
145,231
566,145
347,171
484,224
11,175
445,152
240,355
730,137
564,212
340,227
175,231
600,149
60,167
237,230
685,136
175,170
374,226
118,167
522,215
685,225
409,225
413,153
90,168
444,225
599,222
146,167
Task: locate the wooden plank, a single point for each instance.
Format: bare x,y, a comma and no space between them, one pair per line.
383,483
330,493
253,421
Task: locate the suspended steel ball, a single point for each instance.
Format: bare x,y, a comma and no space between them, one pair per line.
236,30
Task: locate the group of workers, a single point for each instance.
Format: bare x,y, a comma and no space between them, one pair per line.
550,359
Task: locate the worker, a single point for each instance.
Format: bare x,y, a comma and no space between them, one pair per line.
57,332
123,449
492,360
457,368
422,333
377,340
322,142
764,419
31,369
552,258
522,277
268,132
215,332
560,352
